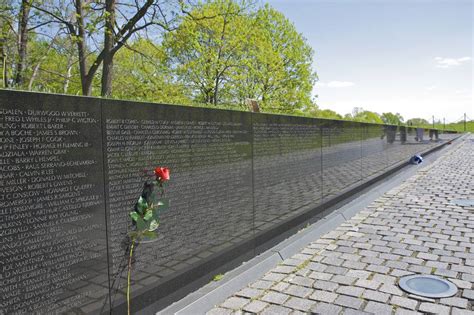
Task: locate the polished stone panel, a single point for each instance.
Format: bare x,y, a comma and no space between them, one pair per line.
210,191
52,224
376,140
342,156
287,167
72,168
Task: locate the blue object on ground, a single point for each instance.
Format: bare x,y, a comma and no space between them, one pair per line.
416,159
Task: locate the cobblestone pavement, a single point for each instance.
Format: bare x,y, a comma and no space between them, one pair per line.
414,228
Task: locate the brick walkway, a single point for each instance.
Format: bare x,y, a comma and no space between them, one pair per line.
414,228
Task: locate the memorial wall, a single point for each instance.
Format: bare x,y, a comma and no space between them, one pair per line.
210,191
72,168
286,167
53,245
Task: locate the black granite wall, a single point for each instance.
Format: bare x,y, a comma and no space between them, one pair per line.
71,171
53,241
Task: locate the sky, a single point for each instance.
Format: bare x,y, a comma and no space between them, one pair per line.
413,57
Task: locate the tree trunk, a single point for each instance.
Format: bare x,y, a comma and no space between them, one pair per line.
216,90
107,66
80,39
35,73
22,41
4,55
110,46
4,68
38,65
67,79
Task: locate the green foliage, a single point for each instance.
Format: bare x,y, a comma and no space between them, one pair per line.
221,53
241,55
417,122
459,126
147,213
313,110
218,277
134,215
278,72
303,265
361,115
328,114
142,69
204,51
392,119
52,67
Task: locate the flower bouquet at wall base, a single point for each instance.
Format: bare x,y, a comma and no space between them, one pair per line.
146,215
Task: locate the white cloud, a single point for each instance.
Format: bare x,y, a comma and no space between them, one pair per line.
451,62
431,88
336,84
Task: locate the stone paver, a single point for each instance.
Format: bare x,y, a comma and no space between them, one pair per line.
300,304
404,302
255,307
275,297
235,303
276,310
378,308
354,269
348,301
325,308
434,308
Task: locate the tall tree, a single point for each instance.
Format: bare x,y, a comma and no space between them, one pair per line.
278,69
392,119
9,23
54,66
417,122
242,54
6,28
359,114
19,21
109,42
329,114
143,70
205,52
23,20
85,20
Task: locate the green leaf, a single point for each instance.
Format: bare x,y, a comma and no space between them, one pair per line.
141,204
154,224
134,216
148,215
141,225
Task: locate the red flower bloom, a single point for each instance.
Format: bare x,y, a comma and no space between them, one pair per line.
162,174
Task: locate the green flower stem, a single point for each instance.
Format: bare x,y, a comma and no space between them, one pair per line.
129,274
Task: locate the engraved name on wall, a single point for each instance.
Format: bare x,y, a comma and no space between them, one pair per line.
210,188
47,203
287,161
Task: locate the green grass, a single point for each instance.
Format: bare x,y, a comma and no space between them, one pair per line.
459,126
218,277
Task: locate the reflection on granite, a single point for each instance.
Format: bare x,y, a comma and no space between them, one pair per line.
210,191
52,223
286,167
70,165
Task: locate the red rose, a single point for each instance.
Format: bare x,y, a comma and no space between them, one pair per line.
162,174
